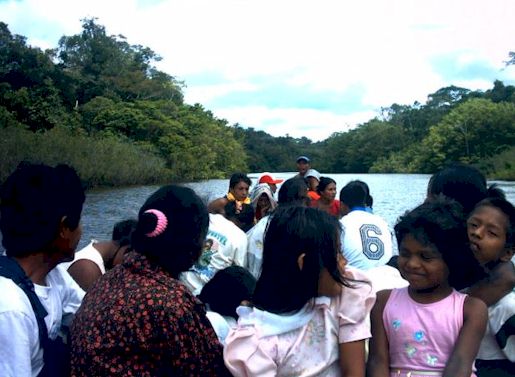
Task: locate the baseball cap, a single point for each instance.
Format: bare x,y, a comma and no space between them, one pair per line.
269,178
300,158
312,173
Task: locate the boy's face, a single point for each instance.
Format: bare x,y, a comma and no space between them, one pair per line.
486,229
240,191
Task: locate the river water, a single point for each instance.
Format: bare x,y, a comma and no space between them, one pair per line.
393,194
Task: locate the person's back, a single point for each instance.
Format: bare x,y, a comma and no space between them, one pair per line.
225,245
92,261
139,318
292,192
309,315
367,240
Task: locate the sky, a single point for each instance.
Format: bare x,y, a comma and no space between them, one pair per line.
297,68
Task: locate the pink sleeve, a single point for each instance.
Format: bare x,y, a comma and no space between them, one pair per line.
245,354
353,308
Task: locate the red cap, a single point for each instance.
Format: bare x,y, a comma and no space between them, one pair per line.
268,178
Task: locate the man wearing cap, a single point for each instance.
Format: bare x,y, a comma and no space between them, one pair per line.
303,165
270,180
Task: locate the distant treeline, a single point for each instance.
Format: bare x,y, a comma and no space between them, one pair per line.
100,104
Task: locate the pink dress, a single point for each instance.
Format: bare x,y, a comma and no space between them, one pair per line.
421,337
304,343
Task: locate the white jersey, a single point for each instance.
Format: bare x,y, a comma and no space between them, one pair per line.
225,245
20,351
367,240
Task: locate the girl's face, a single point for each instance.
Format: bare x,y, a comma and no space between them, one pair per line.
422,266
486,229
327,286
329,191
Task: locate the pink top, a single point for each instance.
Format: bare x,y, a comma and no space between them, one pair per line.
422,336
304,343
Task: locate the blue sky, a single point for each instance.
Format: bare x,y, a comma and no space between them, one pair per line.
301,68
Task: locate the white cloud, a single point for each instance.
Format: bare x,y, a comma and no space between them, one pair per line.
385,48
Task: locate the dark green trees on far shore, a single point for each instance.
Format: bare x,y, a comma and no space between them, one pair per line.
100,104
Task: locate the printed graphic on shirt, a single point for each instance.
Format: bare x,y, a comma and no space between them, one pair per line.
211,246
373,247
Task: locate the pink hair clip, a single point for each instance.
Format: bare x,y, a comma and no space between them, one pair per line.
162,222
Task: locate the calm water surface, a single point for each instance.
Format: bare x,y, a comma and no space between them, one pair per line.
393,194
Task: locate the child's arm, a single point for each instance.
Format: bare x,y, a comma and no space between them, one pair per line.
352,359
378,364
475,316
496,285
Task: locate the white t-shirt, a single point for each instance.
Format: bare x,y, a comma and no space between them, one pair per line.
20,352
367,240
89,253
500,324
255,238
226,245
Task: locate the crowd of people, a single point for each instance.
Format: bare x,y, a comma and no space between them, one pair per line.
279,279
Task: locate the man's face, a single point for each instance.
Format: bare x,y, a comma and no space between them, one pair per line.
240,191
302,167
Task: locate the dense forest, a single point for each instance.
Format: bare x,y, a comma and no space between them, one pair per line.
99,104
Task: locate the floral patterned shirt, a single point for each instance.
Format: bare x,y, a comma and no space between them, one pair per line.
139,321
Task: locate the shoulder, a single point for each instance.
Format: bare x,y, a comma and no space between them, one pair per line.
217,205
360,293
473,306
13,299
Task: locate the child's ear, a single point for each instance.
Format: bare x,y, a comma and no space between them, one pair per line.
508,254
300,261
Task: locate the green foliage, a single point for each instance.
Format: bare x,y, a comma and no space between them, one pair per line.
501,166
99,162
106,109
474,130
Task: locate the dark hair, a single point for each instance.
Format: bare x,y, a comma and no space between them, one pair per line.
355,194
122,231
463,183
323,183
33,201
293,191
293,230
237,178
227,289
509,211
244,219
180,244
440,223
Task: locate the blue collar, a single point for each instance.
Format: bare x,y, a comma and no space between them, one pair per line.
358,209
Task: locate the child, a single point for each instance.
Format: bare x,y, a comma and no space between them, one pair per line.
223,294
309,314
429,328
491,232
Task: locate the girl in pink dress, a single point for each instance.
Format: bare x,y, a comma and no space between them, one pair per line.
310,313
429,328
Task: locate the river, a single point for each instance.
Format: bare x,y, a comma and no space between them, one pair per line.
393,194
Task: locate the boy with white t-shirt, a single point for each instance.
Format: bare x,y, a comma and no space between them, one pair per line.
367,240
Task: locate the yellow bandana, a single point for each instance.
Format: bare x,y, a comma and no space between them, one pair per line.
231,198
